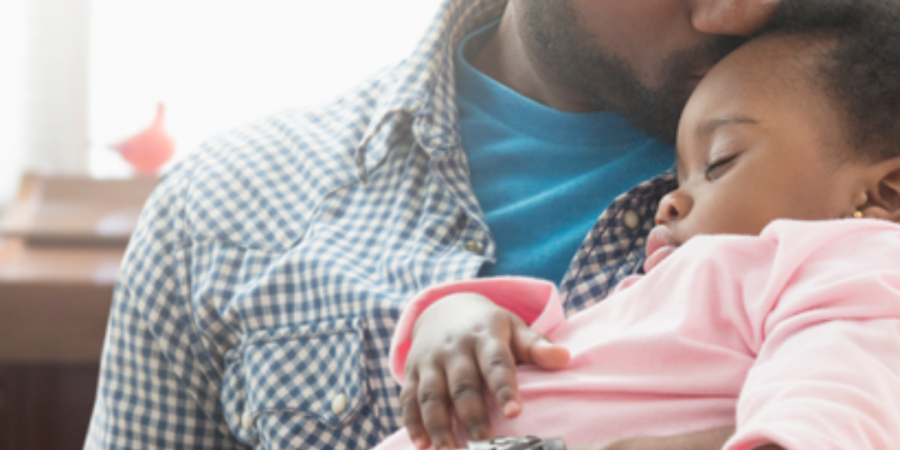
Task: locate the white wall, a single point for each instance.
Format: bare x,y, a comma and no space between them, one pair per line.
12,89
219,63
43,88
79,75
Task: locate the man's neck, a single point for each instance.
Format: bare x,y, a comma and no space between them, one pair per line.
508,58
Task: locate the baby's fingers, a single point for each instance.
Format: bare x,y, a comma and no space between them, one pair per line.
412,417
434,407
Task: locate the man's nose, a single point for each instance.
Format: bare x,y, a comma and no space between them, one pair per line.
675,205
732,17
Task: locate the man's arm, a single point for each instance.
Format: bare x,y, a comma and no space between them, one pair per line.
155,390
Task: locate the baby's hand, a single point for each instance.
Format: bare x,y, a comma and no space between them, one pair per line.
461,345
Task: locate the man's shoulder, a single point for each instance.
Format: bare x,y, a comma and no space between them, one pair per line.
258,184
318,135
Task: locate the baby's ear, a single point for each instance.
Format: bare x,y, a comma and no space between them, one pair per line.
884,192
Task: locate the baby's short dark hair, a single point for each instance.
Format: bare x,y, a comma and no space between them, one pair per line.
860,73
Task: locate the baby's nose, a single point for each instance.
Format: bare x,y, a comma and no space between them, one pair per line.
675,205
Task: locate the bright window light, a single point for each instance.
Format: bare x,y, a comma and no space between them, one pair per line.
216,64
12,93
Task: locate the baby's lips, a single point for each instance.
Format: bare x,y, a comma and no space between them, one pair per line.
653,260
660,244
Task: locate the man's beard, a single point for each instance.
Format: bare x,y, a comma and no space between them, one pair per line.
606,80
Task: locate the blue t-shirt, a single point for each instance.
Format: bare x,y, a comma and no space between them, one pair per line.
544,176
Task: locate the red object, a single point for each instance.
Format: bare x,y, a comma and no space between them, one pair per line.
148,150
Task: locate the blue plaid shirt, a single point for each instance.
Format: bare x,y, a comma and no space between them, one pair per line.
256,302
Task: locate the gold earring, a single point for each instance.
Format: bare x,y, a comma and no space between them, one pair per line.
858,214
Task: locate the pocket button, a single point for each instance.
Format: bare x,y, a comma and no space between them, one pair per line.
631,219
339,403
247,420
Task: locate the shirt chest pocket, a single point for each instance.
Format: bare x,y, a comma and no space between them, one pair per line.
290,386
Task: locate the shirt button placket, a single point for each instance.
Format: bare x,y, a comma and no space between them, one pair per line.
247,419
474,246
339,403
631,219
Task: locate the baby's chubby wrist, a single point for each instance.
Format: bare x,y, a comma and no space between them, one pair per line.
456,307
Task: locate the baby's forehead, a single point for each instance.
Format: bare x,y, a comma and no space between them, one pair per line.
774,78
818,61
775,68
778,58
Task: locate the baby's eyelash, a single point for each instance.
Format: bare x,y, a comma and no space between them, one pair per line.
718,163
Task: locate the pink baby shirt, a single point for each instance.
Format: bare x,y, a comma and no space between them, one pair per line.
792,336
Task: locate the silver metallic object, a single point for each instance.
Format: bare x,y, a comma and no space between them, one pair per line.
518,443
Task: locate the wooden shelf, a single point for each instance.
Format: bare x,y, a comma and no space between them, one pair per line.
70,210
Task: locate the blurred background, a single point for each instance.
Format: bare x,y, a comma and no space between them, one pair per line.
78,77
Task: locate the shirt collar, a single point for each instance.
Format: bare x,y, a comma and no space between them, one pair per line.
423,88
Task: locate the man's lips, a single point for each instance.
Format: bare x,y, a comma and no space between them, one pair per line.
660,244
700,73
695,77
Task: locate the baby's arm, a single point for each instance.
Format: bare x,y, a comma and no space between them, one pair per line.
535,302
827,372
466,345
834,385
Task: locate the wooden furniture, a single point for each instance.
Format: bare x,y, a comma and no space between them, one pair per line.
71,210
54,301
45,406
61,243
